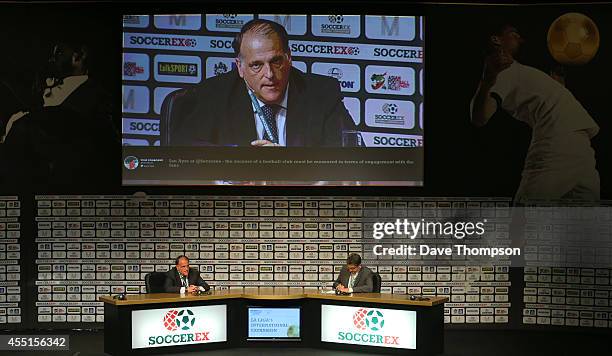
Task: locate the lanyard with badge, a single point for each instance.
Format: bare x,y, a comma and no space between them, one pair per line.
260,113
183,280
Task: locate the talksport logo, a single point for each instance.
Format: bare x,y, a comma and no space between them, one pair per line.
177,321
370,324
181,69
170,68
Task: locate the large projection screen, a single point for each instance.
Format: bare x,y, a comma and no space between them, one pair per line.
351,114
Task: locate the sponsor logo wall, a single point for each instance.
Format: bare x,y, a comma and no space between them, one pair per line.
372,57
89,246
85,247
10,263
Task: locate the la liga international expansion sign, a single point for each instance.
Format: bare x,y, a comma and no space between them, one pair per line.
179,326
368,326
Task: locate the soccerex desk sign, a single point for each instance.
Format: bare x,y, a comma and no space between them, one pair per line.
368,326
179,326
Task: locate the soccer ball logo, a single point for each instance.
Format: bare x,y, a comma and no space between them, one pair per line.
359,318
193,70
573,39
169,320
374,320
389,108
336,18
185,319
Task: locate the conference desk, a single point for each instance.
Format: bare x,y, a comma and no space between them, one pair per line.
145,324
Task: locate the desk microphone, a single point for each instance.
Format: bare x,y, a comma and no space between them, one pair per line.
419,298
120,296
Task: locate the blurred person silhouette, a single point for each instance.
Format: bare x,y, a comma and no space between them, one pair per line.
560,163
67,135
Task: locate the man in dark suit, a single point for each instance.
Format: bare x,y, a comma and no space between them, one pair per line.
354,278
67,134
182,279
264,101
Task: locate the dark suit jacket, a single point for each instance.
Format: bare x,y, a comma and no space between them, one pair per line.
73,143
363,284
221,113
173,283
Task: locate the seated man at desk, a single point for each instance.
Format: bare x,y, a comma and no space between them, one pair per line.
354,278
183,279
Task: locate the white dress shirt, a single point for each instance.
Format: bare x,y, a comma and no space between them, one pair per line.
351,281
185,283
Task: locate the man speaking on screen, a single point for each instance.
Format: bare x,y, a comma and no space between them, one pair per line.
264,101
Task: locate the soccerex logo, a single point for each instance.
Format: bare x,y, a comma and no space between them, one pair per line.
369,324
179,320
389,108
182,327
371,319
335,26
131,162
229,21
335,18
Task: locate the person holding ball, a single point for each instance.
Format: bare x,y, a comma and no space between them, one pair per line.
560,163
